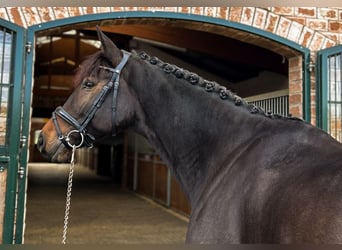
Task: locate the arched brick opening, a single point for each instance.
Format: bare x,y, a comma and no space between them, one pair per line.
123,21
253,26
268,19
285,22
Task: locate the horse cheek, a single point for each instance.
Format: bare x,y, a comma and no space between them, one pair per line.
102,122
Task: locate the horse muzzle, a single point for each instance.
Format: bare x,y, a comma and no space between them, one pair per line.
53,150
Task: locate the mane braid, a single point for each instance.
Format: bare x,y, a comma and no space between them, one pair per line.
209,86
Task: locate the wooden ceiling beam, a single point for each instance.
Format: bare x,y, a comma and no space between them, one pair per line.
219,46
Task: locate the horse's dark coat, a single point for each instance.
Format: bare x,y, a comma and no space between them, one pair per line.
251,177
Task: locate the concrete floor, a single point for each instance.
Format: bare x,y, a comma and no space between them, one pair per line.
101,213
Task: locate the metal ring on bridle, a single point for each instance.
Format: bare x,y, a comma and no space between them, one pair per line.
67,139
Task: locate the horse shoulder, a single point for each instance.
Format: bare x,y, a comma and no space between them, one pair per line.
304,206
294,199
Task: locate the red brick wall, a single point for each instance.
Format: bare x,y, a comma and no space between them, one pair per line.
295,86
314,28
326,21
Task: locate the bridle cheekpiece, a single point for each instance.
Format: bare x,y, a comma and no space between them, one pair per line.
86,139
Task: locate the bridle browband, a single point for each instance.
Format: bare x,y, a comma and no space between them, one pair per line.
87,139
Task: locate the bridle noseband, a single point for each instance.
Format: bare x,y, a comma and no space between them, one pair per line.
87,139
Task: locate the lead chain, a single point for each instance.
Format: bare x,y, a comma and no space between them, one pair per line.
68,196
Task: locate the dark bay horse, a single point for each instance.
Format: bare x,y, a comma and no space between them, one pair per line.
251,177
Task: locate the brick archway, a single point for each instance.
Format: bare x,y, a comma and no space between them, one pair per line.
266,19
253,21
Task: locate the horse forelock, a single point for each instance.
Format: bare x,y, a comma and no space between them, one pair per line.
90,67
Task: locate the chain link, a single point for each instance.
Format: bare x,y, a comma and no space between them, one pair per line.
68,196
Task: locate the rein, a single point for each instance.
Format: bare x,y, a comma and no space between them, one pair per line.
68,196
86,139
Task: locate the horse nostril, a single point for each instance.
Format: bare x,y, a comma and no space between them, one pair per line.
40,142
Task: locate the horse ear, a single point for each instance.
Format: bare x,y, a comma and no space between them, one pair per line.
111,52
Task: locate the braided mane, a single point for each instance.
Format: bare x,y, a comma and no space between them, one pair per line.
209,86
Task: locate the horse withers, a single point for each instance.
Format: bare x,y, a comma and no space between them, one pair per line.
250,176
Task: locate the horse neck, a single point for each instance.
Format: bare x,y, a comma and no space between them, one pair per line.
189,127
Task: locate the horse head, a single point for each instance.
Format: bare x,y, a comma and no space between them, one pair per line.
95,109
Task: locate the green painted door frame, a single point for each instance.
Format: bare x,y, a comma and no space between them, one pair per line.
23,75
15,146
323,73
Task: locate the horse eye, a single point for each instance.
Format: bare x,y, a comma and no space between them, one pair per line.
88,84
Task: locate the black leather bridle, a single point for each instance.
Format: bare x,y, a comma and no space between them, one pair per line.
87,139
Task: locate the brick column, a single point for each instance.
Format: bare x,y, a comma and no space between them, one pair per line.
296,86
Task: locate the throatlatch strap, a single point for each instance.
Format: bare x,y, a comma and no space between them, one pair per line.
115,80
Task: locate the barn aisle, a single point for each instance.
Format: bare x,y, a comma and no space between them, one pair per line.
101,213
